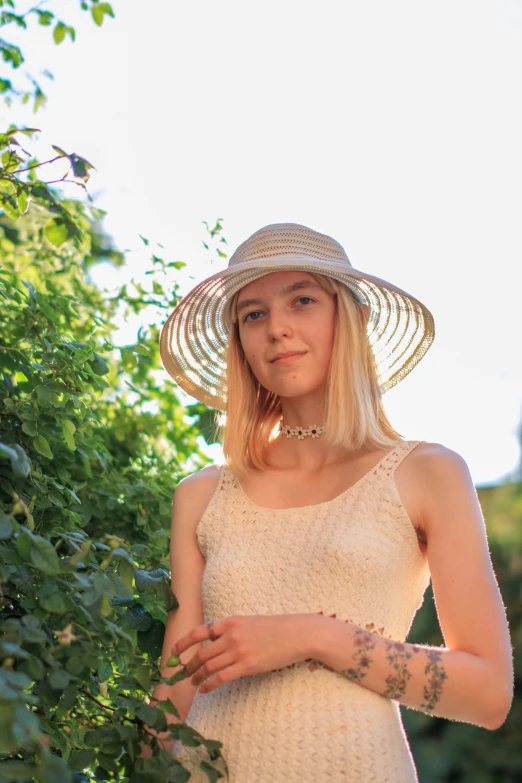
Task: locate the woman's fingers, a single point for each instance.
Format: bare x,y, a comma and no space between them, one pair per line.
221,677
213,667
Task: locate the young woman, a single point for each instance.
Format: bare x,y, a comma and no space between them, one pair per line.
300,563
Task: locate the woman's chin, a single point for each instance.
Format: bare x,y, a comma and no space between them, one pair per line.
293,391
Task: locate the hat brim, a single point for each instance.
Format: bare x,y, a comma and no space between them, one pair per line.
193,340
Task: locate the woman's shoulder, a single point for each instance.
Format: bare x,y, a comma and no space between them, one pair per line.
200,480
202,475
437,471
435,462
197,488
435,456
431,471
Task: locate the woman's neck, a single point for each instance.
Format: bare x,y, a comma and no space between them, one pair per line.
307,455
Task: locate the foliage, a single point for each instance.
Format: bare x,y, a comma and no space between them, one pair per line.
20,186
92,444
13,56
20,182
448,751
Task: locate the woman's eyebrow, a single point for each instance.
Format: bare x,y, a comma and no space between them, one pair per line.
297,286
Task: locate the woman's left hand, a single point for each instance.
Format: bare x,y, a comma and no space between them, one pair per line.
250,644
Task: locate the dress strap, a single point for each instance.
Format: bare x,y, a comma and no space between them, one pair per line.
393,459
227,479
222,472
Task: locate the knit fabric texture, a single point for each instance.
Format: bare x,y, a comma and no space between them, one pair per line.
355,558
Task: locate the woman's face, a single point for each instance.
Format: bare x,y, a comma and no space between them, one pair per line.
286,327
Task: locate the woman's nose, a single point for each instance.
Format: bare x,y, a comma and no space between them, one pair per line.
278,323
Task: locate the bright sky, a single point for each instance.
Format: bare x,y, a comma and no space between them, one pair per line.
393,127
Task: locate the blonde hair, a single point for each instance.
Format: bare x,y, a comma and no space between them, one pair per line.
355,415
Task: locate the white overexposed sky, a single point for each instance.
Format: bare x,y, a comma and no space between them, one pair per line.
393,127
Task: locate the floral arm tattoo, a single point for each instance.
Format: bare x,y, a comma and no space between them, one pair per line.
397,656
364,642
435,670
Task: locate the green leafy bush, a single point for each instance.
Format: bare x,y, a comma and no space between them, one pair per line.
92,444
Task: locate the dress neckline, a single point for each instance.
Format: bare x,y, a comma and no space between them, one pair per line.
324,502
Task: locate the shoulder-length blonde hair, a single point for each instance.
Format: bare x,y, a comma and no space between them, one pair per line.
355,415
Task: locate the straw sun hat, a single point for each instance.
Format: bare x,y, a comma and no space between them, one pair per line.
193,341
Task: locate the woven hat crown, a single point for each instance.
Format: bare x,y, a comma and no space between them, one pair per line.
291,240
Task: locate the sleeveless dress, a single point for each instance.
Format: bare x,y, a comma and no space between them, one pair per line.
355,558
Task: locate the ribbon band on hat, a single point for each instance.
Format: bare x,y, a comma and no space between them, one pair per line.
193,341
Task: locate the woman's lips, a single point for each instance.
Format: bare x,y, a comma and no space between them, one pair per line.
288,359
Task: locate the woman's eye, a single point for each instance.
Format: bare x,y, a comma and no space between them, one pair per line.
309,298
254,313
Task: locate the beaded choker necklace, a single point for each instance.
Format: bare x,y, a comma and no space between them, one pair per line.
301,432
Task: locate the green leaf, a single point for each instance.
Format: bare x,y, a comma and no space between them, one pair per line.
128,359
42,446
6,526
143,676
43,303
26,131
29,427
126,571
93,738
59,32
57,231
99,10
43,556
141,349
54,769
45,18
68,438
42,194
148,714
81,759
10,160
34,668
44,394
69,425
151,641
22,201
138,618
80,167
75,665
104,670
16,771
148,580
82,554
100,365
59,679
168,706
24,543
56,499
57,603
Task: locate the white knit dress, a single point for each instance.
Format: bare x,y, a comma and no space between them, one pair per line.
355,557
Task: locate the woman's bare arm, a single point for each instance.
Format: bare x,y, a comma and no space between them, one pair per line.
187,563
471,679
